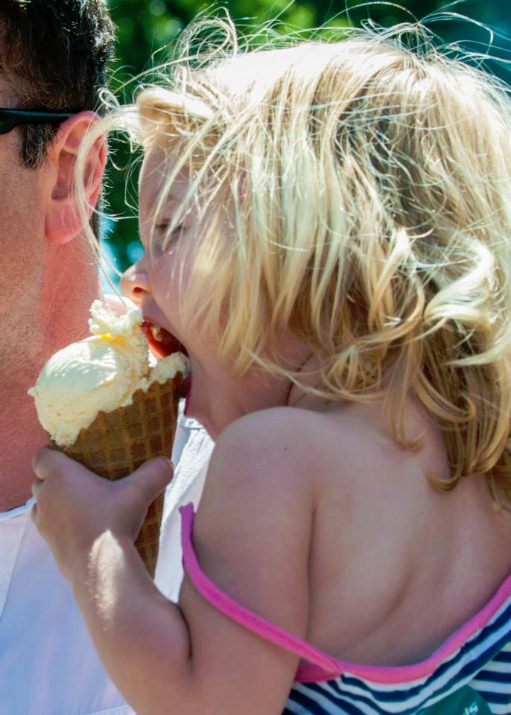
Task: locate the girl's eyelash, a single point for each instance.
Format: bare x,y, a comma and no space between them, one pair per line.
164,237
164,226
176,232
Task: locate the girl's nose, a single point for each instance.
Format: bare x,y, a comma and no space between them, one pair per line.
134,282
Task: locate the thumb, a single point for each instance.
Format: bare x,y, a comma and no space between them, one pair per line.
151,478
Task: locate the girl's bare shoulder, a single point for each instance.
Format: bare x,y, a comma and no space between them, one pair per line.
286,439
310,451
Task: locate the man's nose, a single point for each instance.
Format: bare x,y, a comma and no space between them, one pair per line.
134,283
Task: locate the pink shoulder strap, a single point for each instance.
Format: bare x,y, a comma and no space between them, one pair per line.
321,666
329,666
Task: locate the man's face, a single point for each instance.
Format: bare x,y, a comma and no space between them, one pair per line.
23,198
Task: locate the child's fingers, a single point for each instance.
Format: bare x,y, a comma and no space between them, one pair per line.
57,478
43,463
151,478
46,461
40,463
37,487
33,513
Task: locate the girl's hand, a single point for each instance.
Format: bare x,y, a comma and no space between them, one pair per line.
75,507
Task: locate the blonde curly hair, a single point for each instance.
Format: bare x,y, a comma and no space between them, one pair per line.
358,193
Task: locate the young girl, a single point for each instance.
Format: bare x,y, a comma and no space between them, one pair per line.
327,231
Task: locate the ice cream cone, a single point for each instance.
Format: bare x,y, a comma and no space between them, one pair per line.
118,442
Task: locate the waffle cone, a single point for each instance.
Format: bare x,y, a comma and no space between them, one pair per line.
118,442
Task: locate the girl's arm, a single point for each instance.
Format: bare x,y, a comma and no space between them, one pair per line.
252,536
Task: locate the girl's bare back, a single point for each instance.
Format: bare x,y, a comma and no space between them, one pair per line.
391,554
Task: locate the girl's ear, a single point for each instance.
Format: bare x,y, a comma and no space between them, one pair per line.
63,221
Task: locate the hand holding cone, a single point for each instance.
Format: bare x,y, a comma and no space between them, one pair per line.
105,405
118,442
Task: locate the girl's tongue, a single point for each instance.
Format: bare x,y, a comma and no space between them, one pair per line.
161,342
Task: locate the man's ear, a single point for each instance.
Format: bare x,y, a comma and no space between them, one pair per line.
63,220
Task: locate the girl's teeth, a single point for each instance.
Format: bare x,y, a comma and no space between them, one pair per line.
156,333
161,336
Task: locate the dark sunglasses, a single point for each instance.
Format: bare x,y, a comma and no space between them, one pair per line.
10,118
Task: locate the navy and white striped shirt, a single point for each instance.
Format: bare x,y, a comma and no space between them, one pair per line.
469,675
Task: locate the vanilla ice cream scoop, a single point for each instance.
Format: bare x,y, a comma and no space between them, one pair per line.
99,373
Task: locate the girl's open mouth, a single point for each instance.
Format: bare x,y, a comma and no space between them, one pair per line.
162,344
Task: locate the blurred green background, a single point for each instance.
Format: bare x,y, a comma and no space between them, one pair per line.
147,30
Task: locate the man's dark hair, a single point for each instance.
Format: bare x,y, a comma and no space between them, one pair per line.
54,54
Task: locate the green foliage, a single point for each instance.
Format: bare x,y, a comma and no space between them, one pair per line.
147,30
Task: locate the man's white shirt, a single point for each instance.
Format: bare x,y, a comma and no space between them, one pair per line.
48,665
